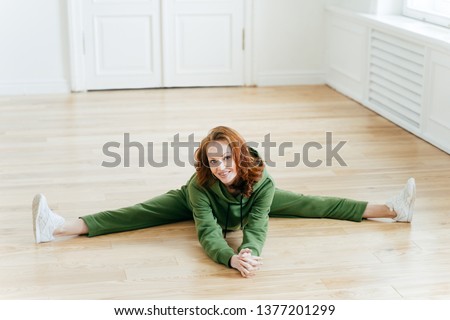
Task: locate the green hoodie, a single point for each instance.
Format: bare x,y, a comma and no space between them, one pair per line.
215,209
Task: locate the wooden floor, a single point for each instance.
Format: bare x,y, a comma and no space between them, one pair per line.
53,144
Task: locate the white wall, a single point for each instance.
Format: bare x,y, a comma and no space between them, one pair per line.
354,5
33,47
34,56
289,42
389,6
370,6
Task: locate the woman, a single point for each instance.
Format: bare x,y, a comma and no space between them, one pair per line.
231,189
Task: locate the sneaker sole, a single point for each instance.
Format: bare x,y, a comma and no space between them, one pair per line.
36,213
411,204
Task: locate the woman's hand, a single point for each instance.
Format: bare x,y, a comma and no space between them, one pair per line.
245,263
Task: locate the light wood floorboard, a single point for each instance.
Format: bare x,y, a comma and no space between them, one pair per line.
53,144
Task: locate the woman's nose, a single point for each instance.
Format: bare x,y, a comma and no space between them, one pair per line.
221,166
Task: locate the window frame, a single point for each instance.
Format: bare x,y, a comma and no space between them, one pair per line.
426,16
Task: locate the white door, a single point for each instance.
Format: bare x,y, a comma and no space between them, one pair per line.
203,42
122,44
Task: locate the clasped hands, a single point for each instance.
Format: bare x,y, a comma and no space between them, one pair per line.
245,263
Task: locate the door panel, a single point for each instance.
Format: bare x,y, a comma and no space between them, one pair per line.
135,44
203,43
122,44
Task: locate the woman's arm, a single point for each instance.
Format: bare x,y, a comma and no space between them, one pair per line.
209,231
248,261
255,231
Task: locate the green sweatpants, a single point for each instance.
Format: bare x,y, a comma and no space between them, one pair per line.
173,207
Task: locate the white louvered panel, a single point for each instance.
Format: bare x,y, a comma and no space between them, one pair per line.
413,96
397,98
402,81
396,50
397,42
397,70
399,61
396,76
395,109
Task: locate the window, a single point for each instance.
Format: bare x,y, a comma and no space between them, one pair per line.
433,11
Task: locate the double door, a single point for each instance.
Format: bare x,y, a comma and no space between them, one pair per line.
161,43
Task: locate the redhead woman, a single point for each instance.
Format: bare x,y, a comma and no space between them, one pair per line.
230,190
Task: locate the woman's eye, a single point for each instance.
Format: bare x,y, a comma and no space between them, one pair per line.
227,158
212,162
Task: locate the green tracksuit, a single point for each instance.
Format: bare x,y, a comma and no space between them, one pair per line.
214,209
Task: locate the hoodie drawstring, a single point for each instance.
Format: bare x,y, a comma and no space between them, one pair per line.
226,223
227,216
241,213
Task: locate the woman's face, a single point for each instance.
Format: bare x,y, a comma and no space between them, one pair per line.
221,162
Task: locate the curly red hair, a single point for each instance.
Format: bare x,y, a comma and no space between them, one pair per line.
249,165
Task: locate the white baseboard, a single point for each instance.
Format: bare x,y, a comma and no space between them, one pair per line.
34,87
356,95
283,78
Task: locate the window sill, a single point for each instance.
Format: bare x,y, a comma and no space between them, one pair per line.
423,31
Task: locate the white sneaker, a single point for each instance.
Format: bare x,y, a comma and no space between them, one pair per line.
403,204
45,221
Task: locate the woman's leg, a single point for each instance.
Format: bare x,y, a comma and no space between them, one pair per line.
167,208
72,228
289,204
378,211
163,209
294,205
